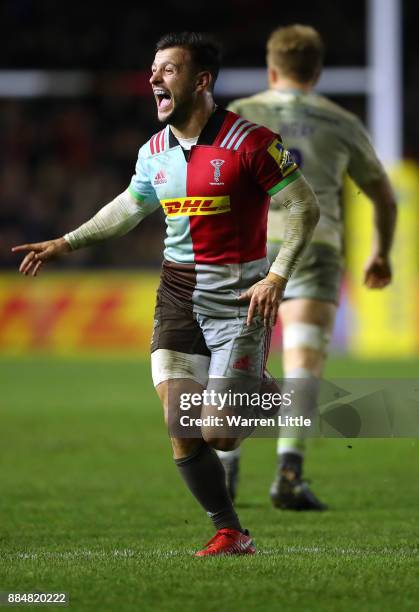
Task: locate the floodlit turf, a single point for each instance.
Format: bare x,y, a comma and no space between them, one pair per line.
91,504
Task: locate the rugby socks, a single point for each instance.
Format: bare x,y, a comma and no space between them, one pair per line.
291,465
291,448
204,476
229,455
291,445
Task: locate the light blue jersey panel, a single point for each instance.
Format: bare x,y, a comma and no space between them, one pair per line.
178,243
162,176
172,164
141,187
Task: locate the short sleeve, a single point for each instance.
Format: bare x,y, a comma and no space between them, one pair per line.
140,186
273,166
364,166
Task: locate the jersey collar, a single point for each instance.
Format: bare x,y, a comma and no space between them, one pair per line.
209,133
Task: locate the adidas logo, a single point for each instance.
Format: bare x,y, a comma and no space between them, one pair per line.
243,363
160,178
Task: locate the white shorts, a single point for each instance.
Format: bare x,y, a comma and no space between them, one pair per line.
234,351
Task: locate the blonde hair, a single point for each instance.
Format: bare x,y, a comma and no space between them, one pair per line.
296,51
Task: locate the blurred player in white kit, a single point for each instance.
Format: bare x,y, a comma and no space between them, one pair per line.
327,142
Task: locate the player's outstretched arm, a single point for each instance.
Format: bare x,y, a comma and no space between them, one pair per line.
377,270
39,253
115,219
304,212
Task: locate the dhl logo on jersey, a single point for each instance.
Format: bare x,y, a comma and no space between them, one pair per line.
187,207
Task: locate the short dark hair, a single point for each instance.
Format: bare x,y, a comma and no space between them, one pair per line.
205,51
297,51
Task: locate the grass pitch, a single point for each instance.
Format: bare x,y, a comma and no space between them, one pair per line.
91,504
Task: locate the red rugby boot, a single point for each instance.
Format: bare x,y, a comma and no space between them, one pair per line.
228,542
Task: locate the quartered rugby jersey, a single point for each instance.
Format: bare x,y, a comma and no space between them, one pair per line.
215,198
326,141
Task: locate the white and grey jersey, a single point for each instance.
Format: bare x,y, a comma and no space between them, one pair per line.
326,141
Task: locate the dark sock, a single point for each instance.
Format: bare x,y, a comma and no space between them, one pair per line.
204,475
291,465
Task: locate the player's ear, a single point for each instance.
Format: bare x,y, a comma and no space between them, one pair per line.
203,81
272,76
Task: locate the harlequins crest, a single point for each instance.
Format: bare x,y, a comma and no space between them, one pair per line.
217,163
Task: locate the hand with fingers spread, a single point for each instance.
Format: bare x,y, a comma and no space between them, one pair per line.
377,272
265,297
39,253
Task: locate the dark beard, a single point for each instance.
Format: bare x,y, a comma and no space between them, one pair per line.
179,115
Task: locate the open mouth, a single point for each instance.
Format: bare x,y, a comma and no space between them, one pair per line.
163,98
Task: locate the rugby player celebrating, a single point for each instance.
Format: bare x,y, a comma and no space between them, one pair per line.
214,173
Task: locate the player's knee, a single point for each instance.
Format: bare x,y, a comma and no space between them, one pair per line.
305,347
306,335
